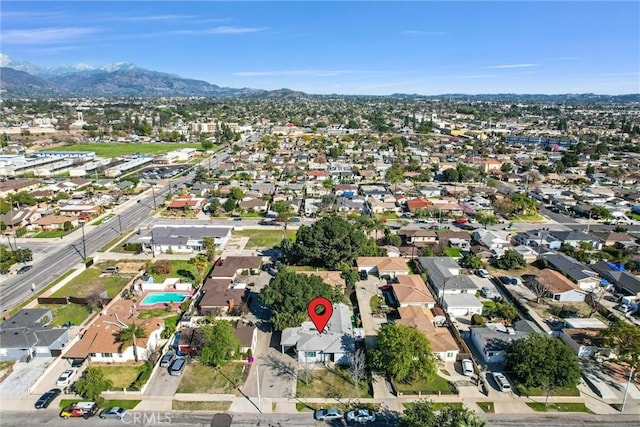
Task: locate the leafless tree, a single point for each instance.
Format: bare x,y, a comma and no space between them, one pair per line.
357,369
539,289
94,301
304,373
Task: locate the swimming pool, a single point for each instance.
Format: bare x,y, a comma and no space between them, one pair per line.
153,298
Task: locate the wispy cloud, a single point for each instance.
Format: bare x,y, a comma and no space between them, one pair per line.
424,33
38,36
155,18
52,50
565,58
512,66
221,30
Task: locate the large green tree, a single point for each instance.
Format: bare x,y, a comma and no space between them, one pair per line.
288,295
486,219
92,383
625,339
471,261
543,361
511,260
403,353
327,243
220,344
423,414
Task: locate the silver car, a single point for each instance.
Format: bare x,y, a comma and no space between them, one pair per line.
361,416
328,414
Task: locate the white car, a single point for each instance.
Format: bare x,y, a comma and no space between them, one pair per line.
65,378
501,381
624,308
467,367
361,416
483,273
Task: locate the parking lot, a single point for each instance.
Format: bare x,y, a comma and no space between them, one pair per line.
162,172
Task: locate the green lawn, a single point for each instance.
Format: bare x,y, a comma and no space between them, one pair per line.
559,407
437,384
536,391
633,215
452,252
486,407
119,149
181,405
154,312
199,378
52,233
333,383
127,404
89,281
438,406
182,269
62,313
264,239
527,218
121,375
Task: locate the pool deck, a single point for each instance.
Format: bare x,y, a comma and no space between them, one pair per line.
175,305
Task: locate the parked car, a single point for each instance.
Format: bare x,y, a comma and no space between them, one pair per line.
361,416
47,398
363,275
24,269
111,270
467,367
486,292
483,273
80,409
509,280
624,308
461,221
177,366
166,360
501,381
113,412
328,414
65,378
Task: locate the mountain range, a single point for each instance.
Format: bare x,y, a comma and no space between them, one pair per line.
19,79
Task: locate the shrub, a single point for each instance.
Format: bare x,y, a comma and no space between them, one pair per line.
162,267
477,319
142,378
133,247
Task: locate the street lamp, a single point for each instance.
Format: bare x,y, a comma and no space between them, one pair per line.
153,192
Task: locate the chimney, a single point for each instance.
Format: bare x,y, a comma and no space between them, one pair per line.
231,305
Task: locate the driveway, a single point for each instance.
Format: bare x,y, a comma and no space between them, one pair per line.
24,376
48,381
162,384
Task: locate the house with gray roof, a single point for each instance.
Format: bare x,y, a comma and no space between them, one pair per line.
27,334
574,237
621,279
583,276
444,276
493,339
181,239
335,345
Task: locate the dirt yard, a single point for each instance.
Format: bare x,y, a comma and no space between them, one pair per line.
130,267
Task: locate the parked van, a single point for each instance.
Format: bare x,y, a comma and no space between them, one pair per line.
501,381
111,270
177,367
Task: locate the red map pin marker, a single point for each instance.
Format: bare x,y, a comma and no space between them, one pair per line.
321,319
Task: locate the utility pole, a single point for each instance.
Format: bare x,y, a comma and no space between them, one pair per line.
84,245
153,192
120,224
626,390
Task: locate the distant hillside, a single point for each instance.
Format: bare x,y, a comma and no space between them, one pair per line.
19,83
579,98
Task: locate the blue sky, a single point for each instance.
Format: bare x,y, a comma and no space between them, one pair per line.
373,48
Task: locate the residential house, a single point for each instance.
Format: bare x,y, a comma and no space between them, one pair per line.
83,212
335,345
350,205
99,341
430,191
461,304
28,334
584,337
20,218
220,296
528,253
419,203
559,287
611,238
383,266
454,239
443,345
377,206
574,238
247,335
55,222
187,202
232,267
254,205
331,278
492,239
537,238
616,275
583,276
493,339
444,276
182,239
418,237
412,291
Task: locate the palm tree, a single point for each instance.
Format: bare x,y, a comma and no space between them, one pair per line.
200,263
128,336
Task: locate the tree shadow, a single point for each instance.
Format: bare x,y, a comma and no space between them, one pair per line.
186,274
